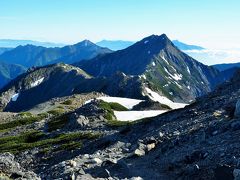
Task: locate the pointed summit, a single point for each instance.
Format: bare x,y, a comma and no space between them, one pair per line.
85,43
162,65
132,60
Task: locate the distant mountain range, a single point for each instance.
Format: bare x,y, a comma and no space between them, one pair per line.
115,45
12,43
223,67
182,46
31,55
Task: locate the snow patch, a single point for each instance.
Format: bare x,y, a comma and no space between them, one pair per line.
136,115
145,42
37,82
143,76
162,56
15,97
126,102
189,87
178,85
153,63
164,100
188,70
176,76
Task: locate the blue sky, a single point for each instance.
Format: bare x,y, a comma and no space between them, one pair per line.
210,23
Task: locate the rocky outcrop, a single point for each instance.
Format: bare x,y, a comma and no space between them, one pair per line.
237,109
12,169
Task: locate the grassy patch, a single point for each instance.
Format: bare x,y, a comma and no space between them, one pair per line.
35,139
117,123
25,114
69,146
109,114
57,122
67,102
117,106
56,111
24,119
111,118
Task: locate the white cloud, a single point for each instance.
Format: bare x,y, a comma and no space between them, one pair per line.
215,56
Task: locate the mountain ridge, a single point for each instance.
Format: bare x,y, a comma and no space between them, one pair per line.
31,55
159,61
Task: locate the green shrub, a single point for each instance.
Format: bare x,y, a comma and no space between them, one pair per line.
57,122
38,139
25,114
69,146
21,121
67,102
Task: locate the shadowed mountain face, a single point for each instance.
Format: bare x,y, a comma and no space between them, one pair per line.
9,72
41,84
3,49
31,55
120,44
223,67
161,64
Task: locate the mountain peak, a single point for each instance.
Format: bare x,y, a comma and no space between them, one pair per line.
157,40
86,43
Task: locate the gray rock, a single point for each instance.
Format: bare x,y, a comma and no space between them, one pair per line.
139,152
235,125
82,121
237,109
236,174
10,167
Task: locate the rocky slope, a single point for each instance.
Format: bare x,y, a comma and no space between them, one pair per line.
198,142
160,63
41,84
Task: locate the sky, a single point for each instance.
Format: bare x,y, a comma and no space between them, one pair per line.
210,23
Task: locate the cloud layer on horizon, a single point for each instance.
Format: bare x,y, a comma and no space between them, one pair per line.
215,56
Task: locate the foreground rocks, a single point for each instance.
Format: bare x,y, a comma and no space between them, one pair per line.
200,141
12,169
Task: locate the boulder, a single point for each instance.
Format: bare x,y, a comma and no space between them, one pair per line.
139,152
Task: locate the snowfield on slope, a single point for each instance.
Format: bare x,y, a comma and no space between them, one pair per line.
37,82
136,115
15,97
163,100
126,102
